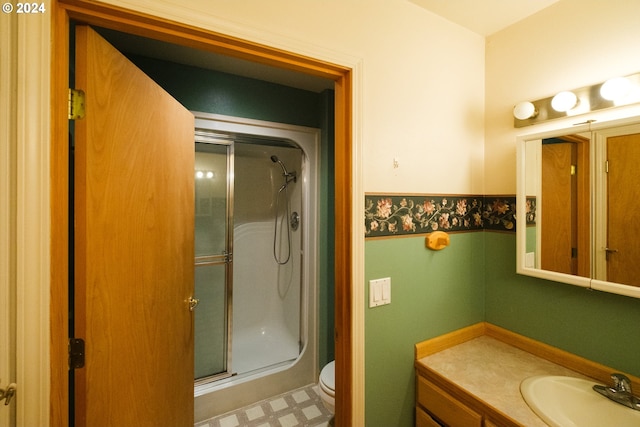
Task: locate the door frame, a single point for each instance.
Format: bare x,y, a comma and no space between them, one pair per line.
7,220
349,313
24,249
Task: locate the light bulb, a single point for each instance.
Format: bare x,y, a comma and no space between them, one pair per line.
615,88
524,110
564,101
199,174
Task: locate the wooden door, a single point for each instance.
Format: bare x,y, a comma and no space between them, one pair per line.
623,193
133,244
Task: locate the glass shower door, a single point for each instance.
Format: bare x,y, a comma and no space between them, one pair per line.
213,166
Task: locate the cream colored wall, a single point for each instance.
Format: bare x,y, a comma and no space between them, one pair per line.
422,88
571,44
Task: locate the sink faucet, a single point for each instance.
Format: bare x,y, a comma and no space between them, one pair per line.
620,392
621,382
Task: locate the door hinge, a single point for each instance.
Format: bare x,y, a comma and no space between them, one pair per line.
76,353
76,104
574,170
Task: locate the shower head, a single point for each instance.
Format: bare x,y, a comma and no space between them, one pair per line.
275,159
287,176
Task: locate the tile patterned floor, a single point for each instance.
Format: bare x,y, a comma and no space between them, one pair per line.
297,408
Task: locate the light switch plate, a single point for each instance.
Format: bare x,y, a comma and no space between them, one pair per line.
379,292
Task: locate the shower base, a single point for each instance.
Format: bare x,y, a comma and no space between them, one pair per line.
260,348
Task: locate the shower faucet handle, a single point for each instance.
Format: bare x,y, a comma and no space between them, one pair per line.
295,221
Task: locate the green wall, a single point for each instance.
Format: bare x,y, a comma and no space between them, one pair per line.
221,93
474,280
596,325
209,91
326,297
431,293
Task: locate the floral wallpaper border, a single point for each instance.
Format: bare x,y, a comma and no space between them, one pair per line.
395,215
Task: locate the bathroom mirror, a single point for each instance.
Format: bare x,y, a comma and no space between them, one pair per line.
578,190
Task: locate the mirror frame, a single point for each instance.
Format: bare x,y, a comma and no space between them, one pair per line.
564,128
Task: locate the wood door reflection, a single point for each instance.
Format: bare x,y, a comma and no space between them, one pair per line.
564,215
623,194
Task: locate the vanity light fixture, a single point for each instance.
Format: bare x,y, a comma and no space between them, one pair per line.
614,92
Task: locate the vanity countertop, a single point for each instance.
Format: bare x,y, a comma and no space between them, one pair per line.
492,371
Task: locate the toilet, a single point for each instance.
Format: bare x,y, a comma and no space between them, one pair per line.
327,386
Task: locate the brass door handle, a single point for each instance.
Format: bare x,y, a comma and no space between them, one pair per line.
193,303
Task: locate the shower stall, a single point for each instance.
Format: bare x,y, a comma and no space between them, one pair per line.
255,260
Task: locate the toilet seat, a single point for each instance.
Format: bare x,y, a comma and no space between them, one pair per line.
328,379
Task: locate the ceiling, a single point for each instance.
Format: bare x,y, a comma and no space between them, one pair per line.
484,17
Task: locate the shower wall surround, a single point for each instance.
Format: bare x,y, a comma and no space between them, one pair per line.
400,215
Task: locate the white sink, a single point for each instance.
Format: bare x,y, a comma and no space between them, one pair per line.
572,402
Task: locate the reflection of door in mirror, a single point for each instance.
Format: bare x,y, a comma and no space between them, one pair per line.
623,193
565,199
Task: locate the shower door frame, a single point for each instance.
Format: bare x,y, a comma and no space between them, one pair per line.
202,136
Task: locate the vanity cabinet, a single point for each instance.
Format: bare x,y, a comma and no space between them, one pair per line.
424,420
436,407
444,407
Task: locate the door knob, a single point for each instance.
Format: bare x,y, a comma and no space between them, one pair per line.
193,303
